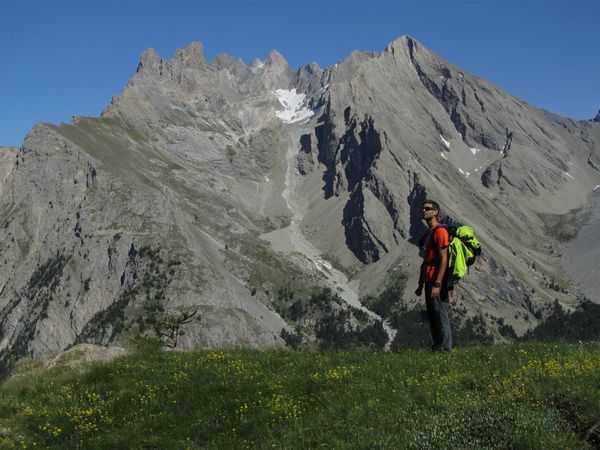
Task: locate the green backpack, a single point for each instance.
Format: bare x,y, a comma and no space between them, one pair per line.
464,248
462,251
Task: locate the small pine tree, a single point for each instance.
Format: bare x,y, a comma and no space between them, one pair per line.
168,329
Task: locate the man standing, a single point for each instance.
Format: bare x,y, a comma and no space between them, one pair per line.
435,261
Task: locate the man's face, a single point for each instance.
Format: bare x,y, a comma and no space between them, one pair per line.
428,211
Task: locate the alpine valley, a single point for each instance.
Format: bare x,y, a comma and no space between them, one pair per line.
268,206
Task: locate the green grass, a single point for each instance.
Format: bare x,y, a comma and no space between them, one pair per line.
518,396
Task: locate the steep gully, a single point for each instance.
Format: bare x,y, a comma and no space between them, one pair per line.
292,240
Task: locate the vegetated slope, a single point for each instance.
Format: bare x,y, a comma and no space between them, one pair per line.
506,396
270,201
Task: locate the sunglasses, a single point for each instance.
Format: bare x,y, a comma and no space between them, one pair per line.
427,208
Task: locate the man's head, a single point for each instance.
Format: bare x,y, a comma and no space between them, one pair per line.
430,210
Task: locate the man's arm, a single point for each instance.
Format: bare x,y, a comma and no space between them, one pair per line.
435,291
419,290
443,265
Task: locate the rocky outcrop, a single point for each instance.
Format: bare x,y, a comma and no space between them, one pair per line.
349,161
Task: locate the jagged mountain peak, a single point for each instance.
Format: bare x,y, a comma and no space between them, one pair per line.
402,41
406,44
312,67
274,58
225,60
192,55
150,62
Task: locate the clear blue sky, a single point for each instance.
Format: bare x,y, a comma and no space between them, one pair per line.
60,58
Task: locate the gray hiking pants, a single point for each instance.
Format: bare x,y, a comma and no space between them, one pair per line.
438,310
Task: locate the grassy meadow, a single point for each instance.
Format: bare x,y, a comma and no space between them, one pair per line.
519,396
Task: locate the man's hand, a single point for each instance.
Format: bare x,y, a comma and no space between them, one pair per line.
419,290
435,292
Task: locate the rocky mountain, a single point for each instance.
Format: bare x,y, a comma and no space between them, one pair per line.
273,202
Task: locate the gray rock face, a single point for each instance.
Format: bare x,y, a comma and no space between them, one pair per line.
221,186
8,160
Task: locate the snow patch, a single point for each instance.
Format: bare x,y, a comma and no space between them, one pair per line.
444,156
597,187
323,266
293,104
446,143
466,174
474,150
569,175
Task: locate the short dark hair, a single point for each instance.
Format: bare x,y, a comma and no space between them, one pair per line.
434,204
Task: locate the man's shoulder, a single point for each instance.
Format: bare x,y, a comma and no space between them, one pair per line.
442,234
440,229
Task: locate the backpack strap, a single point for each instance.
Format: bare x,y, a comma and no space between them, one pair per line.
429,235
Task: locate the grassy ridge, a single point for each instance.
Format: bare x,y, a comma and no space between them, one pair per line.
526,395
